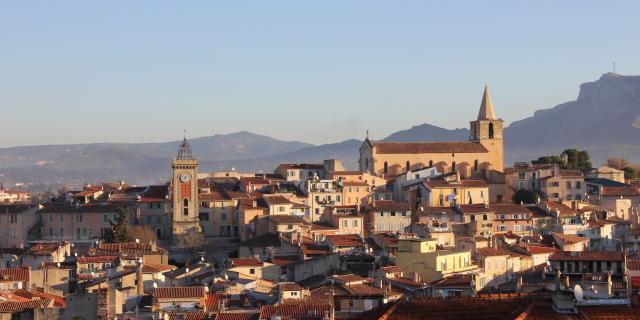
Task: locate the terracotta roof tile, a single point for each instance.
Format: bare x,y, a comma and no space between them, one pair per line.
246,262
14,274
586,256
388,205
179,292
428,147
298,310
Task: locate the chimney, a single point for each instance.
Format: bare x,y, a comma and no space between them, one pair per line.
558,280
140,287
609,283
567,282
416,277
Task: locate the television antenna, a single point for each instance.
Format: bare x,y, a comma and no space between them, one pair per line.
578,293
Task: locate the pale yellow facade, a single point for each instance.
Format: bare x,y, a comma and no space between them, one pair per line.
420,256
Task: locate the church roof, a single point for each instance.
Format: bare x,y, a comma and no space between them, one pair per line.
486,107
428,147
184,151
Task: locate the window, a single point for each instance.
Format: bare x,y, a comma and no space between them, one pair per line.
61,232
521,175
578,185
382,214
105,218
13,233
50,232
51,218
453,166
252,271
185,211
516,228
568,184
502,228
408,164
386,167
78,218
404,213
78,233
223,216
355,223
14,218
345,223
485,217
204,216
490,130
185,202
61,217
430,163
393,213
502,216
281,208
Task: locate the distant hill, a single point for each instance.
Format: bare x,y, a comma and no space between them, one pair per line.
427,132
605,120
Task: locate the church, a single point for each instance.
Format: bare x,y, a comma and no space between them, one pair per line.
484,152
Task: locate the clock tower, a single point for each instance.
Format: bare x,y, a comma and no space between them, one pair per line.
184,187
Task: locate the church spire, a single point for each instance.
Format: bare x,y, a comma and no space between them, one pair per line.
486,107
184,151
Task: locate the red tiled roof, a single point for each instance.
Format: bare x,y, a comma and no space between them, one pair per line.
237,316
130,248
14,274
289,286
212,196
254,180
428,147
458,280
626,191
34,294
345,240
568,238
246,262
96,259
179,292
189,316
633,264
571,173
211,304
13,307
474,208
275,200
148,267
509,208
467,183
355,184
586,256
363,290
297,310
43,249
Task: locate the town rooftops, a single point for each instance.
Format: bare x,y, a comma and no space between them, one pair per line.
15,208
97,259
14,274
508,208
287,219
345,240
276,200
626,191
586,256
128,248
246,262
46,248
428,147
295,311
179,293
456,280
85,208
268,239
464,183
302,166
474,209
605,182
289,286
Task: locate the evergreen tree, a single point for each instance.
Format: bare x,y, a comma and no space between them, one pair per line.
120,229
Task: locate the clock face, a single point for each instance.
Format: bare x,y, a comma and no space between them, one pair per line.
184,177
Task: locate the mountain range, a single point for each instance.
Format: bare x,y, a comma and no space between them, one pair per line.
604,119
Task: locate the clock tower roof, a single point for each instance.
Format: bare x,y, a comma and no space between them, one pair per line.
184,151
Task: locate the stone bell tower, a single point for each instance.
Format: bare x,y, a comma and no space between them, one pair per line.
184,187
488,131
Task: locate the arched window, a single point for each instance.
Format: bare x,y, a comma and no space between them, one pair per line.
453,166
386,167
185,211
185,202
430,163
475,165
490,130
408,165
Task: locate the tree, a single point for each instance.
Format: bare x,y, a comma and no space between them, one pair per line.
630,173
120,228
572,159
577,159
525,196
192,242
142,233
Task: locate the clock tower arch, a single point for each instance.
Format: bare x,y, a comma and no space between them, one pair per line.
184,187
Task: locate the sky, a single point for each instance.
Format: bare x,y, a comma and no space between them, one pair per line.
312,71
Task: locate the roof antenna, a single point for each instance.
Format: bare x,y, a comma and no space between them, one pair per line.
367,134
614,67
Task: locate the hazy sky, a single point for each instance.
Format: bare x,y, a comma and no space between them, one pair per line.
315,71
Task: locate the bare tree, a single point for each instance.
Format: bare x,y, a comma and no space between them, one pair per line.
142,233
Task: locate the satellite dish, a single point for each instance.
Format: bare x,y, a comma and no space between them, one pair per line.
421,209
578,293
202,259
137,240
187,270
226,276
155,285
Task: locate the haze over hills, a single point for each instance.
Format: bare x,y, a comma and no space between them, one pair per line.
605,120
